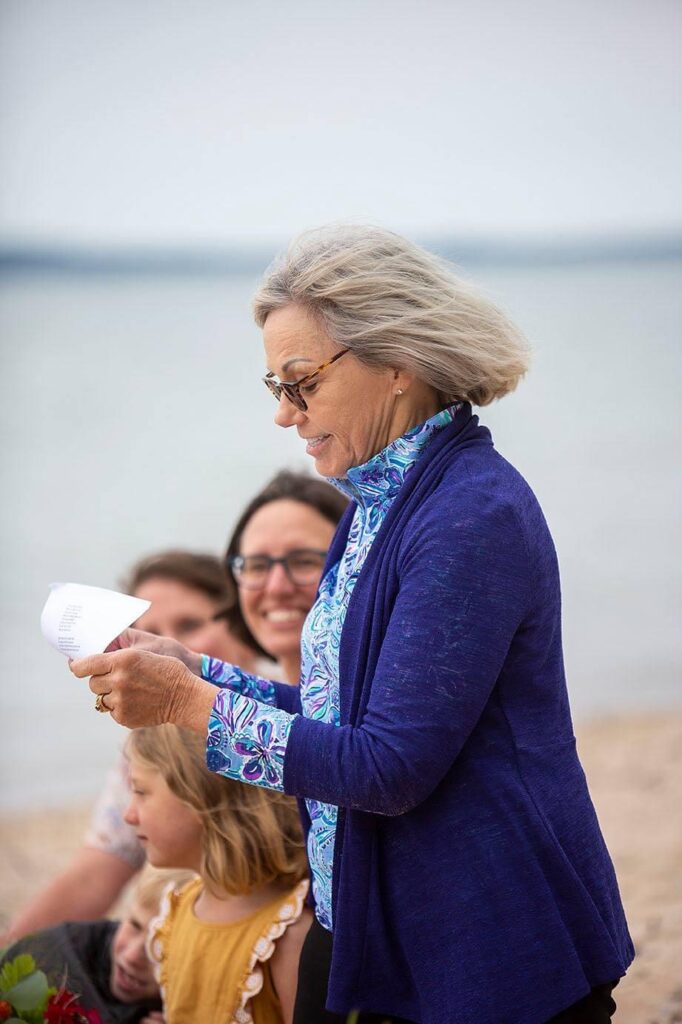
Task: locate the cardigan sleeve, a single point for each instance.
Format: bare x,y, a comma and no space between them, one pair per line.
464,585
463,590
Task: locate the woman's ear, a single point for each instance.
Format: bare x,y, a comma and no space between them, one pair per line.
402,381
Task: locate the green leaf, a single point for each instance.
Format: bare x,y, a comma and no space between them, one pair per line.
29,994
13,972
34,1016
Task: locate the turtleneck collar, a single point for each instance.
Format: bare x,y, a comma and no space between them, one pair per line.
380,478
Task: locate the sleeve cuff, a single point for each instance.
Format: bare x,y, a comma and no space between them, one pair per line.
247,740
227,676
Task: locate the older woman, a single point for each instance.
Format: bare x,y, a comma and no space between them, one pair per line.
459,872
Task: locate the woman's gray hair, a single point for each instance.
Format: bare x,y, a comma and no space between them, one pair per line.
396,305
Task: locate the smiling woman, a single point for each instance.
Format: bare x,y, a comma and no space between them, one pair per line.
275,554
339,433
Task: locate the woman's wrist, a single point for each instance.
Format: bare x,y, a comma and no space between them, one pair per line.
193,662
191,702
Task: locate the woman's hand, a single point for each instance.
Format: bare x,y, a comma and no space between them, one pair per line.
142,688
142,641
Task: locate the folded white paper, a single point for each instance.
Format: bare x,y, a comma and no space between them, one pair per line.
79,620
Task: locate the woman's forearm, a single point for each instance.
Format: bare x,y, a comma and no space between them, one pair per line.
192,705
85,890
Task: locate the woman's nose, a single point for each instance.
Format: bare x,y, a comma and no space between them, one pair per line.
287,414
278,582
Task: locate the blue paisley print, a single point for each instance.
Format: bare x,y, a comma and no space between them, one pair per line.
247,736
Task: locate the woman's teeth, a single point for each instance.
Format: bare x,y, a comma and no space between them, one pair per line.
283,615
315,442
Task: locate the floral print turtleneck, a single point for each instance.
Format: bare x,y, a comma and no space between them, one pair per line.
247,735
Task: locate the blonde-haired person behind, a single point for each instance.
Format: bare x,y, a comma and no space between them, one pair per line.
106,962
458,869
226,945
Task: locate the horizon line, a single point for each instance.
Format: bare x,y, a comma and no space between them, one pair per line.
249,258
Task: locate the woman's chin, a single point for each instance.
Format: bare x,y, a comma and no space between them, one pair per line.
330,462
329,470
281,644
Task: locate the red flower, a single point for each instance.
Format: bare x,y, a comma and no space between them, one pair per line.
5,1009
63,1008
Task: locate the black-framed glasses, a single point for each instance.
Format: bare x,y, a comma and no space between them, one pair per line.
292,388
303,567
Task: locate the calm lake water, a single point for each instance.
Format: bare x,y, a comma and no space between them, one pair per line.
134,420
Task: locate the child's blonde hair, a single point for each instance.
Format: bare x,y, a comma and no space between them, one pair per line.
151,884
251,836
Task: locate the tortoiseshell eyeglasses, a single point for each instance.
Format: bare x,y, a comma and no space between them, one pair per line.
292,388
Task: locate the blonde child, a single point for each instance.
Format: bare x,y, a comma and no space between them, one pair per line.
227,944
106,962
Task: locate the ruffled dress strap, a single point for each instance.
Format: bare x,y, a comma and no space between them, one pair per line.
159,928
288,912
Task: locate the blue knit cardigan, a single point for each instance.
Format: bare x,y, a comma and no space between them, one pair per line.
471,881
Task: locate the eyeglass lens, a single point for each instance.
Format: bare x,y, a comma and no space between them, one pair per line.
290,390
302,567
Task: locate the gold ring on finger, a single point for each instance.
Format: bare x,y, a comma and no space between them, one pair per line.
100,705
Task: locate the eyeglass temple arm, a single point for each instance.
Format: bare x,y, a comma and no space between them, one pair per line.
309,376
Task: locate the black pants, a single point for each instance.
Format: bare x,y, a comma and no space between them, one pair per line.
598,1007
313,974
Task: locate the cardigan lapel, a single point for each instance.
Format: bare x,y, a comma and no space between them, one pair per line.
372,599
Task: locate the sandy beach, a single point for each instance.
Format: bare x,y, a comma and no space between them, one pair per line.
634,768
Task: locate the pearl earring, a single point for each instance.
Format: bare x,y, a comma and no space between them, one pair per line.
399,391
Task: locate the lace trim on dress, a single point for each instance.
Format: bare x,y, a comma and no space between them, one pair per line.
288,913
156,930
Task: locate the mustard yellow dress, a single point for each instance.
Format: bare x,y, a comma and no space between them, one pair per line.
219,973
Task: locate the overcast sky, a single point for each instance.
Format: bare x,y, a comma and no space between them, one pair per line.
217,120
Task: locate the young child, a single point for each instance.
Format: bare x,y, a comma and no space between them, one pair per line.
227,945
105,962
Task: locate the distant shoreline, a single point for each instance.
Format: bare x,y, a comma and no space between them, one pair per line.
209,261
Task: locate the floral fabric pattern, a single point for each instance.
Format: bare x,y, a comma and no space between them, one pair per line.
247,740
223,674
